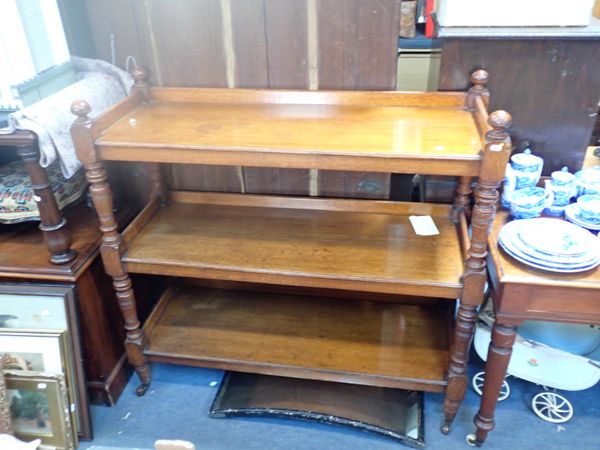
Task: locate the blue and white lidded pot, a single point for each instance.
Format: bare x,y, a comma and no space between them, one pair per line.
562,184
524,170
588,181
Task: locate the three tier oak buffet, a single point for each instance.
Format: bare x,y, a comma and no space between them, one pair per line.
318,288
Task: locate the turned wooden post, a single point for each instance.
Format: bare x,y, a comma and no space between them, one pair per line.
495,157
462,200
142,87
53,224
479,78
112,247
500,349
141,84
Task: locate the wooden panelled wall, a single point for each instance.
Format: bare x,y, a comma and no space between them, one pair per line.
296,44
551,87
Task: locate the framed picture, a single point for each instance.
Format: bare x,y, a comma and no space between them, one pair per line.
42,352
5,422
39,409
25,306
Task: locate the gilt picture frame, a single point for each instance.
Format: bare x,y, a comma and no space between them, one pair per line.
33,306
36,351
39,408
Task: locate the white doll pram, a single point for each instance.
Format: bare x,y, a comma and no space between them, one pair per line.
548,366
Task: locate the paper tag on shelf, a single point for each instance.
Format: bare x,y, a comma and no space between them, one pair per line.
423,225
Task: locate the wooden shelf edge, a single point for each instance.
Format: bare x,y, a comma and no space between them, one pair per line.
311,203
444,165
400,287
446,99
292,372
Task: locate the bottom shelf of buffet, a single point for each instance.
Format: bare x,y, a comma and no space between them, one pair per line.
371,342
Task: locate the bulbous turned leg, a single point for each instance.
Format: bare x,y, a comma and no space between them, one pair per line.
503,338
135,341
457,373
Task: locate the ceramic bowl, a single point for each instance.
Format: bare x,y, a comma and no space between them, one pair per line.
555,210
529,202
589,207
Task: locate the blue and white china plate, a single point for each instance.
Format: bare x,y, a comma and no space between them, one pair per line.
554,237
551,244
572,215
516,249
586,261
541,266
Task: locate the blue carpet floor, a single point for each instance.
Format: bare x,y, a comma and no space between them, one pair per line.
177,403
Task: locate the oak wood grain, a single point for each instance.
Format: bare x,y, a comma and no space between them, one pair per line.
380,344
301,130
306,247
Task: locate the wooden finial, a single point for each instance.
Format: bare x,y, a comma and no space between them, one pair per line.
139,75
479,78
81,109
141,84
500,121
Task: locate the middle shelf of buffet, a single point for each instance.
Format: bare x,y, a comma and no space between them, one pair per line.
366,246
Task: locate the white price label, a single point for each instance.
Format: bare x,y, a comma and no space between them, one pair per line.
423,225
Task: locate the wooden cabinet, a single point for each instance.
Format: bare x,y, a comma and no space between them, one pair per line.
330,289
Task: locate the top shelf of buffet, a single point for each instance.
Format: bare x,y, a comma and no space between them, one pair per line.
408,132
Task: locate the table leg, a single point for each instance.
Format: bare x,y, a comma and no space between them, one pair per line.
53,224
503,338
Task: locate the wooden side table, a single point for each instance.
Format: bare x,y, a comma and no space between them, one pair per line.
521,293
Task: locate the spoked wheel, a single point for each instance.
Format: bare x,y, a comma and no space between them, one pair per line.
478,380
552,407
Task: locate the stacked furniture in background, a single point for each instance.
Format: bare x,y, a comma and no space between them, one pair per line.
343,255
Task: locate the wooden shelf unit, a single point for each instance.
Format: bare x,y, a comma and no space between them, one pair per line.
361,247
353,341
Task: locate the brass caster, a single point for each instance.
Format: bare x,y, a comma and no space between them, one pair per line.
141,389
472,440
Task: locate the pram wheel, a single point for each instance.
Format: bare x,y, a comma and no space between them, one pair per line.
478,380
552,407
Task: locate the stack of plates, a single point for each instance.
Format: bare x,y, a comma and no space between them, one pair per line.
573,215
551,244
